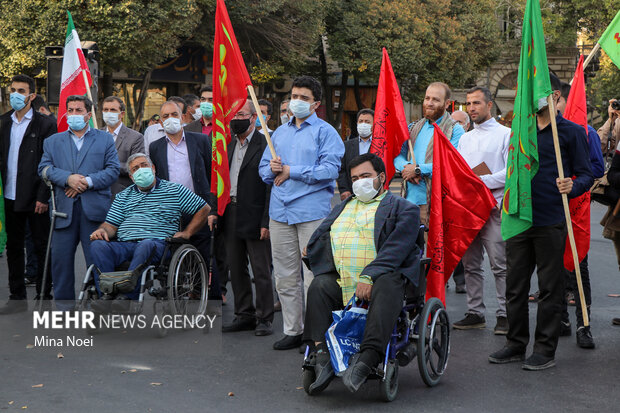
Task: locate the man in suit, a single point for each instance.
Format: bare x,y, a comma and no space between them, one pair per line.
185,158
22,132
82,164
127,141
246,227
193,113
366,246
353,148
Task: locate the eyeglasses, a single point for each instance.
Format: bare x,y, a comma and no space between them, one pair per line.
241,115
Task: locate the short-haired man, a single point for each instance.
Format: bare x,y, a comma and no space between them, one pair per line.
308,152
141,217
485,149
39,105
462,118
206,108
82,164
285,115
266,108
417,172
367,247
22,133
610,131
542,245
193,114
126,141
354,148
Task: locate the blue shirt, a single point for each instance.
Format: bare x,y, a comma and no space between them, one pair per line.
596,155
313,152
365,145
417,193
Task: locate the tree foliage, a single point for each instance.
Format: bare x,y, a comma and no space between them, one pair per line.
605,85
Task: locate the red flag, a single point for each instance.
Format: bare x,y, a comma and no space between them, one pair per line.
460,206
390,128
576,111
230,82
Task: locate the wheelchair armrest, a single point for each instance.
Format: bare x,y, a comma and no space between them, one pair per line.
177,240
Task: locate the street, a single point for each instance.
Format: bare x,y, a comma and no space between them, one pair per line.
129,370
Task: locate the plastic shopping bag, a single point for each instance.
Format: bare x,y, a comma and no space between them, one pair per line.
344,336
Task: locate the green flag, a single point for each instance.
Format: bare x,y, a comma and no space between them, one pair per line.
2,221
610,40
533,87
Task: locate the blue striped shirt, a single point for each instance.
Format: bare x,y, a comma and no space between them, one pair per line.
155,214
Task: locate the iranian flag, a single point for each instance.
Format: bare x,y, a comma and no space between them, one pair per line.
75,73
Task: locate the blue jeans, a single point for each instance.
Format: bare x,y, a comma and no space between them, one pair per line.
108,255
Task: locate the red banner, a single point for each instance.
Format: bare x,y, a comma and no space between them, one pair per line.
230,82
460,206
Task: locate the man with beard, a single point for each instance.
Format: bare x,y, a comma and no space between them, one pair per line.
417,171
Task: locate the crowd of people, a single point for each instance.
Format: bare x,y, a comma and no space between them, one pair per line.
123,193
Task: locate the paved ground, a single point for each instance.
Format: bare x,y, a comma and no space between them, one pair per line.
131,371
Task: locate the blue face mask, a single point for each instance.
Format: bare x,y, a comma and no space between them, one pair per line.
207,109
18,101
257,123
76,122
143,177
299,108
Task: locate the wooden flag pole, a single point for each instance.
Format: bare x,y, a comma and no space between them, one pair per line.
263,124
569,224
90,96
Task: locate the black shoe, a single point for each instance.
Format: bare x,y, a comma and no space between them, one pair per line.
14,307
615,321
507,355
460,289
565,329
501,328
263,328
302,349
324,373
470,321
584,337
30,280
240,324
46,304
537,362
356,374
288,342
121,304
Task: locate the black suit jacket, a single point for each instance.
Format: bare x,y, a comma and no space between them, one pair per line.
351,150
397,222
199,152
30,188
252,193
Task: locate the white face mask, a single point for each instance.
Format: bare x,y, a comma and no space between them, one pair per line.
197,114
172,125
111,118
284,119
364,129
364,189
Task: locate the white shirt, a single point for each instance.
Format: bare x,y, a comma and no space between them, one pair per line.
179,169
488,142
151,134
116,131
263,132
18,129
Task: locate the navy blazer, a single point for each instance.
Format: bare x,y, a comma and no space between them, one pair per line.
397,222
97,159
199,152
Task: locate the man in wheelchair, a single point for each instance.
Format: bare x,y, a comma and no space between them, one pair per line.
141,218
367,246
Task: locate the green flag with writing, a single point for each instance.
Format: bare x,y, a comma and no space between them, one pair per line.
2,220
610,40
533,87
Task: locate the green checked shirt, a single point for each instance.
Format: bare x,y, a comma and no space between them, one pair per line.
353,243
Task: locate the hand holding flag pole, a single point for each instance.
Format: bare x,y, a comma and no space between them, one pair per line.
569,224
262,121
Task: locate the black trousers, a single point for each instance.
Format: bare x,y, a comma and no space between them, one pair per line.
386,302
16,231
571,281
237,251
543,248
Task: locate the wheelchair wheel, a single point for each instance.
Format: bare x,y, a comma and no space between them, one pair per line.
433,342
388,386
187,282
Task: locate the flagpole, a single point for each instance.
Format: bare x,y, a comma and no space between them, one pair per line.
262,121
90,96
569,224
589,58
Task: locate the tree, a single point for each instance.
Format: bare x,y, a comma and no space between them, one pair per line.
604,86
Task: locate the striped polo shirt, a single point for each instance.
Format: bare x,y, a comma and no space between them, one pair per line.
155,214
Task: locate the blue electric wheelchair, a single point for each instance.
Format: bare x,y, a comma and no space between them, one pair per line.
422,330
179,282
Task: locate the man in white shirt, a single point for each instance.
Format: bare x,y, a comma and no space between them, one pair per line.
485,149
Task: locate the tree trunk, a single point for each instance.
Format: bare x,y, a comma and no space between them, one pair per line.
356,91
326,88
343,99
146,80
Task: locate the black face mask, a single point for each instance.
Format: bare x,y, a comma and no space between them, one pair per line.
239,126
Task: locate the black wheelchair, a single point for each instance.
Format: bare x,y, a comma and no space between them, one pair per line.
179,283
422,330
